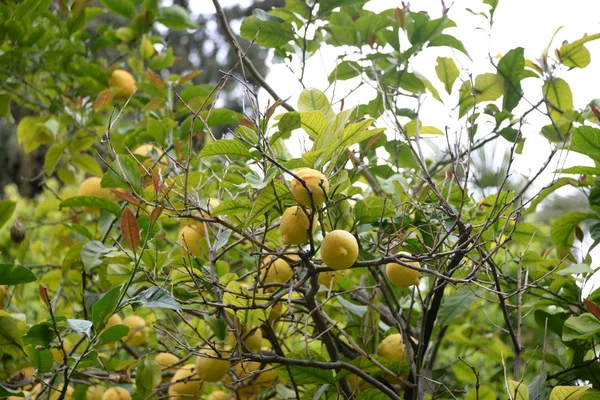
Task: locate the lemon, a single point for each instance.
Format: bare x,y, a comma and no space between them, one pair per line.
190,237
55,393
114,319
252,339
122,80
219,395
276,270
116,393
251,373
392,348
339,249
138,331
330,279
402,276
94,392
156,161
294,226
316,182
211,369
185,382
91,187
166,362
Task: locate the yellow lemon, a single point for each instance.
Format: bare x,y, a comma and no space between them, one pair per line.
185,382
219,395
252,338
191,237
94,392
254,374
211,369
91,187
166,362
122,80
276,270
138,331
294,226
339,249
330,279
55,394
156,161
316,182
114,319
116,393
392,348
403,276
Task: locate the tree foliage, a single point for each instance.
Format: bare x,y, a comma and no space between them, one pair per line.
161,254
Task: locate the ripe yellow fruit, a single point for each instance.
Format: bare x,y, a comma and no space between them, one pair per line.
116,393
339,249
185,382
252,338
219,395
330,278
392,348
190,237
212,369
403,276
124,81
114,319
94,392
156,161
138,331
166,361
276,270
91,187
26,393
253,375
55,393
316,182
294,226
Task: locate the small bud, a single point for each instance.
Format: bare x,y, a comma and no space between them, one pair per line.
17,232
39,348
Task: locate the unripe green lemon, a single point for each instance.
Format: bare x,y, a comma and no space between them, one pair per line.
316,182
123,81
403,276
339,249
211,369
294,226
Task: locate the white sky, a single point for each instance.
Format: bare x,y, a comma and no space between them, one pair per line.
517,23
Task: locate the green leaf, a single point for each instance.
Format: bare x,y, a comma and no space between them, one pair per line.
581,170
568,392
518,390
40,334
87,163
125,8
326,6
447,72
488,87
11,333
148,375
562,231
113,334
7,207
493,4
344,71
92,202
307,375
449,41
586,140
104,308
232,207
32,133
267,33
524,231
80,326
231,147
42,359
576,269
484,393
175,17
92,254
511,67
549,190
455,306
265,16
315,100
6,392
372,209
582,327
52,157
558,92
13,274
271,195
576,55
129,166
154,297
313,122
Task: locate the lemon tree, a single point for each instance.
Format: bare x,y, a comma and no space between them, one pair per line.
337,244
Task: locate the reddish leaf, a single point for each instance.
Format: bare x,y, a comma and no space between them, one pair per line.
130,229
127,197
43,290
594,309
104,99
595,110
155,214
372,141
166,192
372,38
246,122
155,184
399,15
155,79
271,109
189,76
